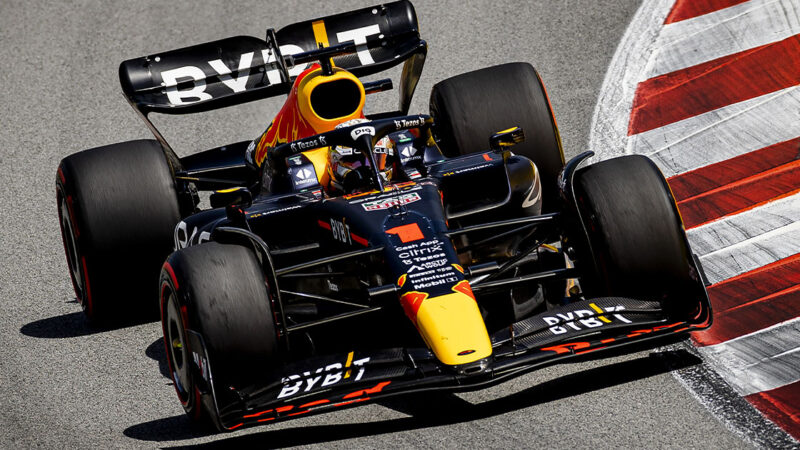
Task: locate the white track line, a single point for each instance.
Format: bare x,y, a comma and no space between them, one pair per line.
752,253
609,131
722,133
760,361
728,231
697,142
724,32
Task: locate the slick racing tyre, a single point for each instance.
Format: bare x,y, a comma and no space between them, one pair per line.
469,108
117,206
635,234
218,326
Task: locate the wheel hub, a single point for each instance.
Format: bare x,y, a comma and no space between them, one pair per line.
178,352
71,248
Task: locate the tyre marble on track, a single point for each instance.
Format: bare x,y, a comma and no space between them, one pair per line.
65,385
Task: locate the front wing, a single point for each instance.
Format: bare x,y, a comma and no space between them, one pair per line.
326,383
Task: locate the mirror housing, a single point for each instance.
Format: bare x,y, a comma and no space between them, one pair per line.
503,140
239,196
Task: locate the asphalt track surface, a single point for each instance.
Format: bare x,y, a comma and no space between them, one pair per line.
65,385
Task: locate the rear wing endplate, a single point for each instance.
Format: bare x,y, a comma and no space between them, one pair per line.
244,68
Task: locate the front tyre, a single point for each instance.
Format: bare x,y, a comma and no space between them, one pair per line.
471,107
215,303
636,238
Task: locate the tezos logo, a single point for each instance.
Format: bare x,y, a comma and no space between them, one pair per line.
362,130
409,123
305,145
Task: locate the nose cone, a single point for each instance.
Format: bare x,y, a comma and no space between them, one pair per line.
453,328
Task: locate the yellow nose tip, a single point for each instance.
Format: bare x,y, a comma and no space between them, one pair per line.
453,328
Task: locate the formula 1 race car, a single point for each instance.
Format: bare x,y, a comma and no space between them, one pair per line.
348,257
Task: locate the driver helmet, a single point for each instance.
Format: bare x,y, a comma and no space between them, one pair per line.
350,169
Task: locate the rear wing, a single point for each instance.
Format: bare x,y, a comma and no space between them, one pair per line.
244,68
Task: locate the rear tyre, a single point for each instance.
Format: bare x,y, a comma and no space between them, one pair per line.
219,292
638,244
117,206
469,108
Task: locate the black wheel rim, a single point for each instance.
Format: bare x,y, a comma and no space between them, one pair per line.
71,248
177,350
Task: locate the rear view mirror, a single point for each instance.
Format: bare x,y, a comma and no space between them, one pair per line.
502,140
239,196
